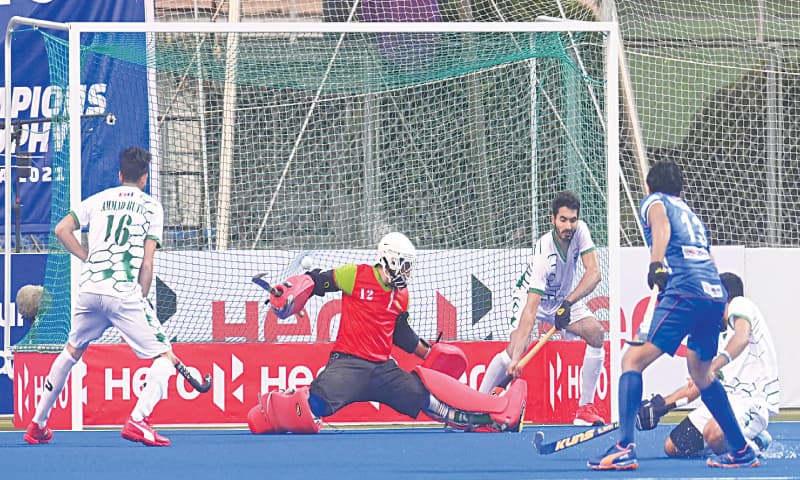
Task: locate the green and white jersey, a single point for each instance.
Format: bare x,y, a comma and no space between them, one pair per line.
551,271
120,219
754,373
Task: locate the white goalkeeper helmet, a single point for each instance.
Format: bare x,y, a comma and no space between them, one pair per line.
397,255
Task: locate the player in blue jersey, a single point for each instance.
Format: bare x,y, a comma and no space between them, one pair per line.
691,303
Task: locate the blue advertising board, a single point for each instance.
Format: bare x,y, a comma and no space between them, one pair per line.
33,97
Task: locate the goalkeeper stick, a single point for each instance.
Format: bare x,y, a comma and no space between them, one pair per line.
644,328
524,360
259,280
586,435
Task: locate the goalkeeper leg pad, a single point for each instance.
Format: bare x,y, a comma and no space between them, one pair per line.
282,412
446,358
505,410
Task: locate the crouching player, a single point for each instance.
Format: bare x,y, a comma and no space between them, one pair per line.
748,368
374,317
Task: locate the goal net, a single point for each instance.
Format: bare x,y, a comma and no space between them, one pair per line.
273,143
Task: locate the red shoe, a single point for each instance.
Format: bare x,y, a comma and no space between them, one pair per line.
143,432
35,435
587,415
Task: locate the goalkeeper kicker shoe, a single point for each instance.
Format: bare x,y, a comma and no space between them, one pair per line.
745,457
35,435
142,432
616,458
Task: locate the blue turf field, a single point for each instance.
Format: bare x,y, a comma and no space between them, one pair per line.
409,454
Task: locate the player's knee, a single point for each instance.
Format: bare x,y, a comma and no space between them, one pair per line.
75,352
670,449
592,332
159,372
687,440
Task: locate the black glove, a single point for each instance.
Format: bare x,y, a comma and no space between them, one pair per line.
650,412
562,315
657,275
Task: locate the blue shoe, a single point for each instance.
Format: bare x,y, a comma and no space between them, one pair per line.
616,458
763,440
745,457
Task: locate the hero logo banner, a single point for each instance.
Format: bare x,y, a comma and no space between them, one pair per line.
127,383
30,383
564,377
36,98
241,372
220,384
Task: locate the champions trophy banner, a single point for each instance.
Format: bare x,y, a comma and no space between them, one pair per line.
34,98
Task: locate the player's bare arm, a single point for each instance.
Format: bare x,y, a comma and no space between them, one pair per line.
659,223
64,232
735,346
146,272
589,280
520,336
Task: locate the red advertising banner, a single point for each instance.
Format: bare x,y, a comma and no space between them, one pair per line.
105,385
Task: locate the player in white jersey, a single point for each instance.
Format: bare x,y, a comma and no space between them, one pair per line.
748,366
545,293
125,228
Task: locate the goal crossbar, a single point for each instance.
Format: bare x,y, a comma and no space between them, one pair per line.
322,27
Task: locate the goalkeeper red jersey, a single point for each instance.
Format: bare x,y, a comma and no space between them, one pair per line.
369,312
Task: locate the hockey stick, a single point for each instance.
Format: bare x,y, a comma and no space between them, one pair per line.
524,360
259,280
644,328
586,435
200,387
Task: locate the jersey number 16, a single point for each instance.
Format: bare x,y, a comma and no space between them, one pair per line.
121,233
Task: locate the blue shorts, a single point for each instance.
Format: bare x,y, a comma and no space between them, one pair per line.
678,315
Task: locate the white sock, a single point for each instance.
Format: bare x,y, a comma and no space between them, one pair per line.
154,389
495,372
53,384
590,373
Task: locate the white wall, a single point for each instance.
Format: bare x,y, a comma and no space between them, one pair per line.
771,281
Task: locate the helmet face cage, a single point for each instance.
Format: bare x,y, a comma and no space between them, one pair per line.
399,268
397,254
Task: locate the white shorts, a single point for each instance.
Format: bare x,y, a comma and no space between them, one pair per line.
133,317
752,415
547,309
546,313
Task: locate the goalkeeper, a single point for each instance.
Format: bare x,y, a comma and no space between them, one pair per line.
748,366
374,317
